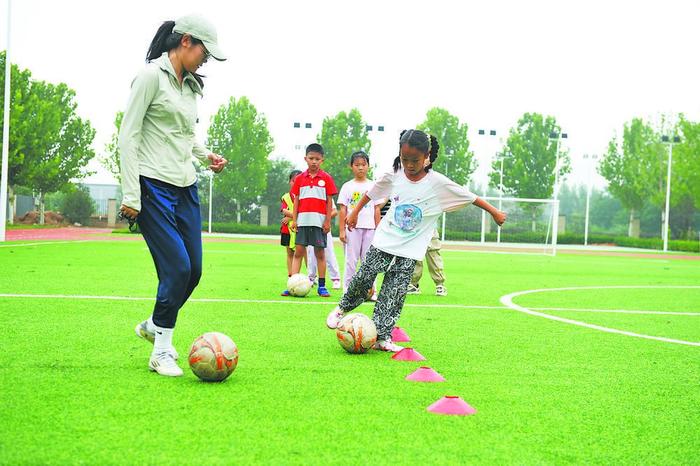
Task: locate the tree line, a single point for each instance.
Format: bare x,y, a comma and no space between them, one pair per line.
51,145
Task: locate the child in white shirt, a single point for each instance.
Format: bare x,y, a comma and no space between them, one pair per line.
357,240
418,198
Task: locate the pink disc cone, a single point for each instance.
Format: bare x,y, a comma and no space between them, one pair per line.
425,374
398,334
408,354
451,405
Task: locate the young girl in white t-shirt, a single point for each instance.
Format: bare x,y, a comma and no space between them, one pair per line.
357,241
418,198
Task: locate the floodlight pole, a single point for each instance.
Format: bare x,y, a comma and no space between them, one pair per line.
555,212
211,190
670,141
5,131
500,197
588,200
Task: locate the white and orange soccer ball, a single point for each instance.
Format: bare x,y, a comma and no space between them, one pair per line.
213,357
356,333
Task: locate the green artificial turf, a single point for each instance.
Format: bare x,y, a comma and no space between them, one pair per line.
76,389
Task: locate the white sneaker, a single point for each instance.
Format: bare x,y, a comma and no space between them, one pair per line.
387,345
374,297
164,364
334,317
412,289
336,284
143,332
440,290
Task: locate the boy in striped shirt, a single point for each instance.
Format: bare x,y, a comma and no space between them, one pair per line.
313,193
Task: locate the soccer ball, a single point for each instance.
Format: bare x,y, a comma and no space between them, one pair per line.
356,333
213,357
298,285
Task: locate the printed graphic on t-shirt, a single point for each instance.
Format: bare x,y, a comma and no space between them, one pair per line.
355,199
408,216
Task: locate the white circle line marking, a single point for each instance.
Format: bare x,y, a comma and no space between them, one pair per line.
507,300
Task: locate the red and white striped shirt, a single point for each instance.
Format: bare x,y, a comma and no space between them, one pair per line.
313,193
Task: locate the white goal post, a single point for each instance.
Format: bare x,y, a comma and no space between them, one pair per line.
532,224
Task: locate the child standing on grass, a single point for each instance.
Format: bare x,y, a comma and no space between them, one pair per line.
288,237
331,260
313,192
358,240
418,197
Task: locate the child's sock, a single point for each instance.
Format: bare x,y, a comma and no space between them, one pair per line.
321,282
164,340
150,326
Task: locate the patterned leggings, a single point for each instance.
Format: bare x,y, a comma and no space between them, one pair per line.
397,276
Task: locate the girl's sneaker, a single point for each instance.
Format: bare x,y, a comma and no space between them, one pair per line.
323,292
285,293
387,345
336,284
440,290
143,332
334,317
413,289
164,364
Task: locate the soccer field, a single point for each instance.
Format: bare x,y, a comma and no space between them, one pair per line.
76,388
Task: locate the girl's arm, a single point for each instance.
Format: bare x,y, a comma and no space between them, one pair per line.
377,214
351,220
287,213
498,216
343,214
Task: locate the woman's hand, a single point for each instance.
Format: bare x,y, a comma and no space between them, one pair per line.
342,237
128,212
217,163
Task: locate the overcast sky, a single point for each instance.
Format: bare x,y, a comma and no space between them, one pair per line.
591,64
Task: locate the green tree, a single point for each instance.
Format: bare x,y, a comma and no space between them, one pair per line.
455,160
341,135
239,133
23,107
531,156
63,145
630,168
110,159
277,183
685,183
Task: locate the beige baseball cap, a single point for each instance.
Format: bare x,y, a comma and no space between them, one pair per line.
201,29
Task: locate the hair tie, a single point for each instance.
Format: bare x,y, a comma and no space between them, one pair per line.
429,142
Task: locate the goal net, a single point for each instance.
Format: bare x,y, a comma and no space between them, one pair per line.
531,226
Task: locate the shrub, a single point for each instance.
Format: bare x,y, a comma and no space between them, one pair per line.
78,205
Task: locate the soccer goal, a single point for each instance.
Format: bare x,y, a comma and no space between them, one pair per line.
531,226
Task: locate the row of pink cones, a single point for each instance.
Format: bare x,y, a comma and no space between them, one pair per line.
451,405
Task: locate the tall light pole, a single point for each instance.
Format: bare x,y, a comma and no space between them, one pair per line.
554,136
501,156
450,153
5,131
211,197
555,213
492,132
588,195
670,142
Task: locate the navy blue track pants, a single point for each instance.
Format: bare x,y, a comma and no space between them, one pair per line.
171,224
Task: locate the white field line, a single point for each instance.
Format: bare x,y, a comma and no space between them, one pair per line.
41,243
508,301
294,301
